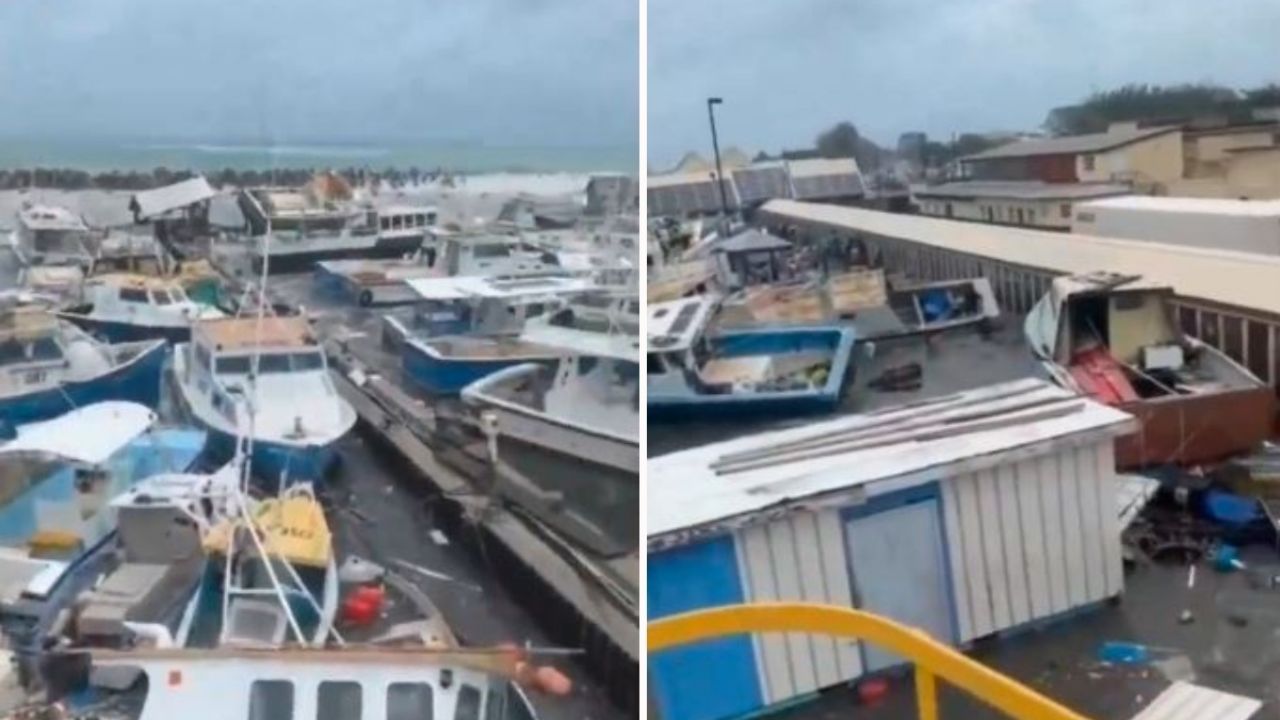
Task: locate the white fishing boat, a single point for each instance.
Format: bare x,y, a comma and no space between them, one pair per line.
300,237
51,235
291,407
127,307
358,683
568,430
386,282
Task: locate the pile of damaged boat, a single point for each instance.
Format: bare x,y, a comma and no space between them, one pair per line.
135,586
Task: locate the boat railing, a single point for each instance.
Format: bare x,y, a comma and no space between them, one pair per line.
932,659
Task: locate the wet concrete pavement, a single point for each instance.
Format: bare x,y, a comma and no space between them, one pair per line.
395,516
1233,644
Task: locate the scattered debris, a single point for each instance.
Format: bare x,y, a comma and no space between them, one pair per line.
1130,653
1185,699
438,537
425,572
1226,558
358,570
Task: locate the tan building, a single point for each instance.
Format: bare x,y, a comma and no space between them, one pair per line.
1042,205
1241,161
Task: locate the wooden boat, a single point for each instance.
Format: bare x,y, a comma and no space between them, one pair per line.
775,370
49,366
126,308
1114,338
291,404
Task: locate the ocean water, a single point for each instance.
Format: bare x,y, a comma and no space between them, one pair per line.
99,155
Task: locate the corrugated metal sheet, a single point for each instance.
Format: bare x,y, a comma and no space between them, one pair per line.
1031,539
1187,701
151,203
1070,144
800,558
908,445
1241,280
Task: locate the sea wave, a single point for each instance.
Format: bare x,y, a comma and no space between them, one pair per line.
275,150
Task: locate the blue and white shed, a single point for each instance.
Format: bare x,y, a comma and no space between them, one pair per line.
965,515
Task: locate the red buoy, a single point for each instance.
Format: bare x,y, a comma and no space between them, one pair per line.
873,691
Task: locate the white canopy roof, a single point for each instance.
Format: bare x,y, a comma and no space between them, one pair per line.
89,435
477,286
151,203
676,324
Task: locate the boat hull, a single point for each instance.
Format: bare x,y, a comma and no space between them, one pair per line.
1195,429
436,374
671,406
305,260
135,380
115,331
298,463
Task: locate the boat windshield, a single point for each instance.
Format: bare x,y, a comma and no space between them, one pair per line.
13,352
290,362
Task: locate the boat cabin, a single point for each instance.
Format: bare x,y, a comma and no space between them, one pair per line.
32,354
137,296
490,254
474,305
223,353
405,220
52,235
1101,324
677,344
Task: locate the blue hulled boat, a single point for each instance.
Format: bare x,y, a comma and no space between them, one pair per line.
468,327
56,516
775,371
291,407
49,367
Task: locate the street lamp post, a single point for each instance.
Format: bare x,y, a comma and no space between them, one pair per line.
715,145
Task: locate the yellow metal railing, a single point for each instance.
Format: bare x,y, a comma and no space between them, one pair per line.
932,659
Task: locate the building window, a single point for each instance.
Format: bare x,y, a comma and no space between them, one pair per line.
1088,163
1065,210
949,210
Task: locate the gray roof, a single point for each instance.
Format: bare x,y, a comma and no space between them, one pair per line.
752,240
757,183
696,195
1021,190
1070,144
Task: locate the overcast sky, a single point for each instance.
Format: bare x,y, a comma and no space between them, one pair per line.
787,69
503,71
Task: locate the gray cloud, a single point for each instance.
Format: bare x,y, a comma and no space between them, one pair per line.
500,71
789,68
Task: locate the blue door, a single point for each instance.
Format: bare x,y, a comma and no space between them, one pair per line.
709,680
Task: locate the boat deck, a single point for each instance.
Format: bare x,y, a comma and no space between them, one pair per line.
480,348
950,361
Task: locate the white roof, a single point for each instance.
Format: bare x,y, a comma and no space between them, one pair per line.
159,201
1208,206
618,346
682,320
479,286
911,444
89,435
817,167
1243,280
